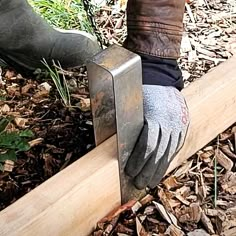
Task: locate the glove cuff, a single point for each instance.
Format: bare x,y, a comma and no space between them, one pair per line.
161,71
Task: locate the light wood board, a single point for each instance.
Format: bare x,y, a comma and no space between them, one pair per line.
212,107
71,202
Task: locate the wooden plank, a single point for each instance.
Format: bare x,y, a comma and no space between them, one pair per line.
212,105
71,202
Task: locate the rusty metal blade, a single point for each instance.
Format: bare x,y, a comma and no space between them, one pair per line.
115,84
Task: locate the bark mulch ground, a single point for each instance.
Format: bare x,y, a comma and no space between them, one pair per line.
61,134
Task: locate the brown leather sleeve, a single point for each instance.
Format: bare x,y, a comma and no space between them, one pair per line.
155,27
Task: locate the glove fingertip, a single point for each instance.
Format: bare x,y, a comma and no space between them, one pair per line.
153,184
136,160
139,183
129,170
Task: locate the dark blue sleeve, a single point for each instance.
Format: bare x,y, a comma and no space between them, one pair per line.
161,71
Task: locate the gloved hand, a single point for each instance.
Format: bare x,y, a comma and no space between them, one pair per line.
163,134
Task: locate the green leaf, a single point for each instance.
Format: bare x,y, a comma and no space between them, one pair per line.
7,140
3,123
9,155
2,98
26,133
61,86
22,145
14,141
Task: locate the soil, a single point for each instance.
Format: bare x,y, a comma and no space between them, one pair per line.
61,134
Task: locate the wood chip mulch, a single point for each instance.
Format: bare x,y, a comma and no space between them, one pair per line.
61,134
209,38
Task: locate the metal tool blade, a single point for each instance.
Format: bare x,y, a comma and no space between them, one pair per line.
115,84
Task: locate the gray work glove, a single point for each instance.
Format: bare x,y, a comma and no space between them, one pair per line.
163,134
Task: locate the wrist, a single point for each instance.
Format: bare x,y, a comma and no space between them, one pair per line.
161,71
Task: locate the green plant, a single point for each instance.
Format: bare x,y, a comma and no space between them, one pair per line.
60,83
64,14
2,95
12,142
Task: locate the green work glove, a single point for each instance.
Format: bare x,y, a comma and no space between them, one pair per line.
163,134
